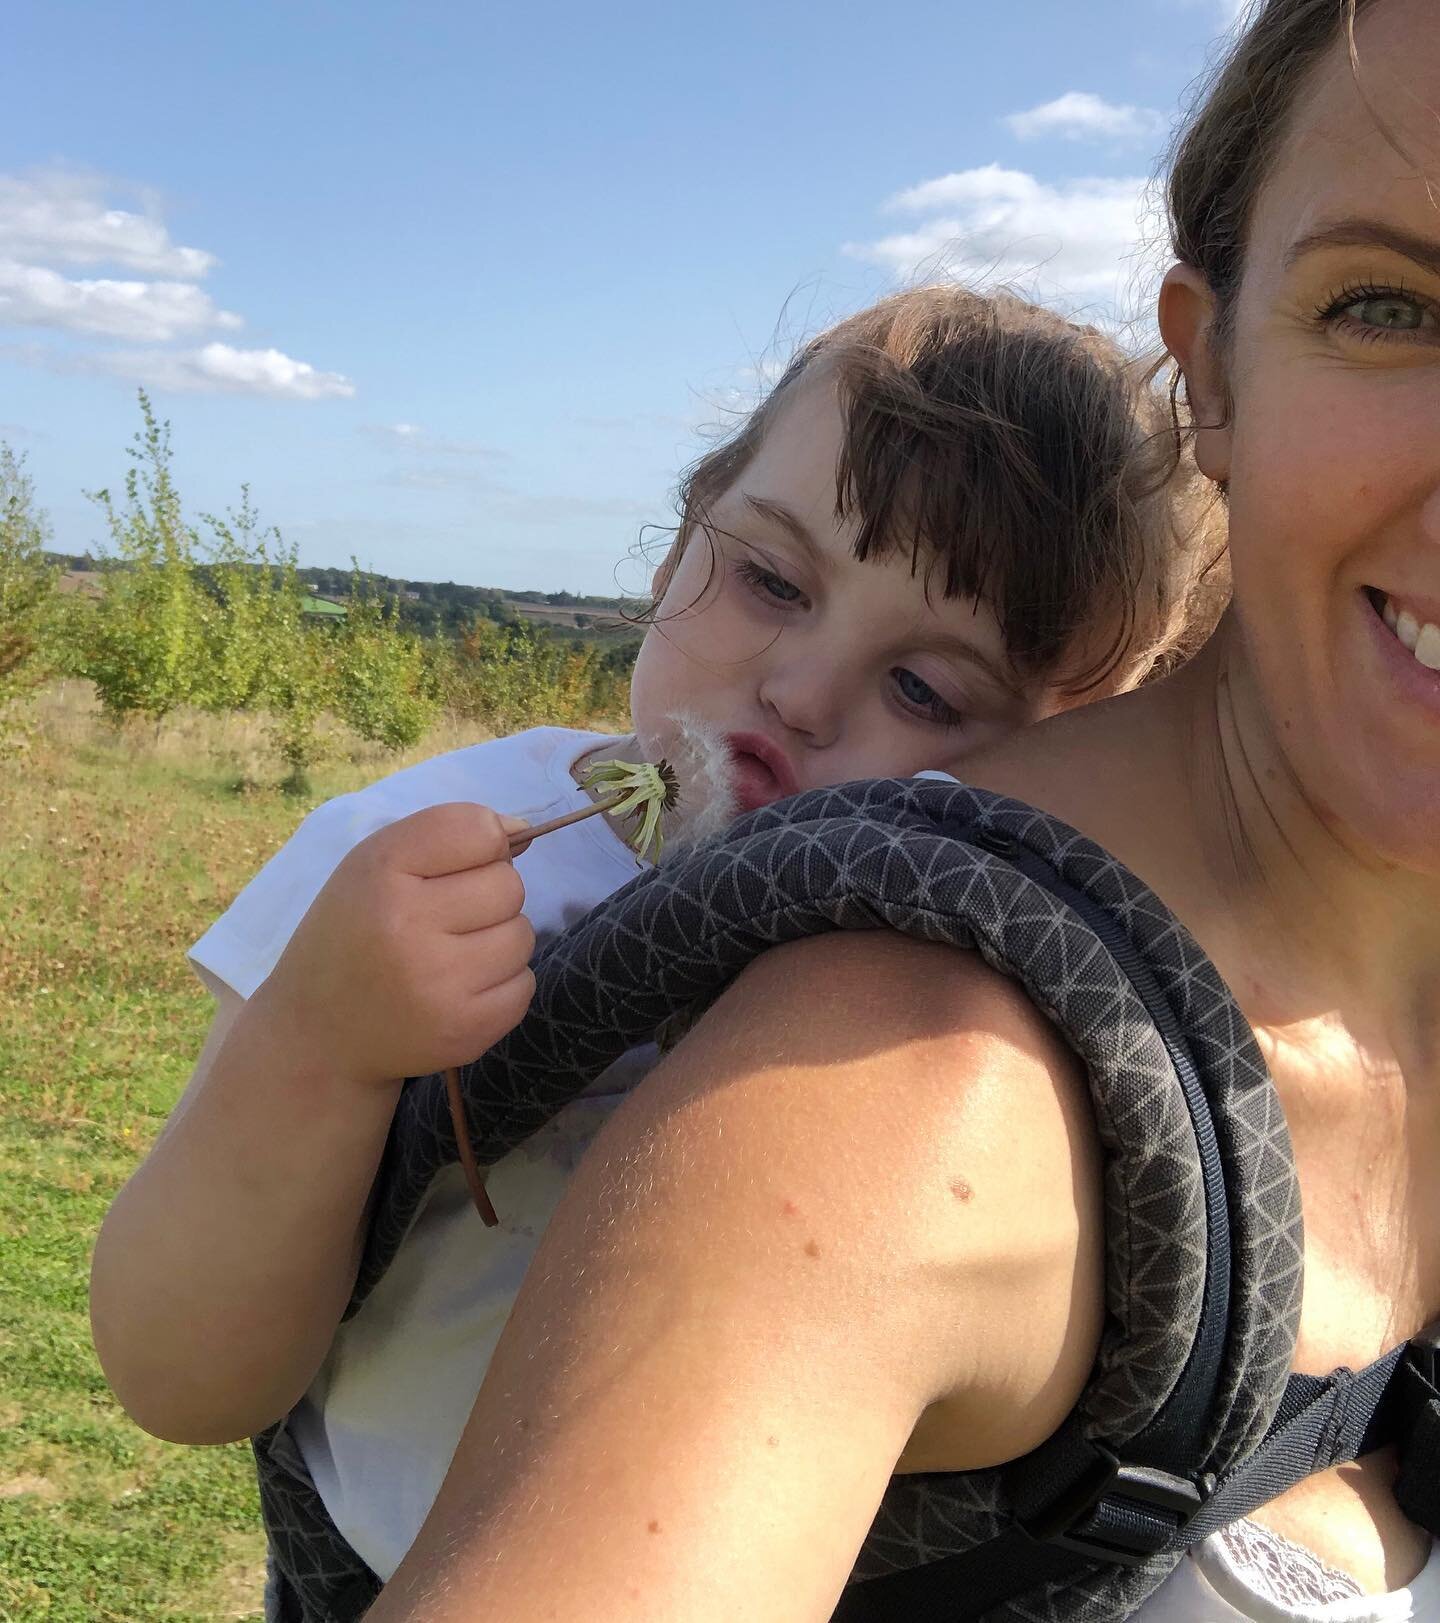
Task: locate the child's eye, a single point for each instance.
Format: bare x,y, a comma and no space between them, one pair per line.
1379,313
767,582
918,692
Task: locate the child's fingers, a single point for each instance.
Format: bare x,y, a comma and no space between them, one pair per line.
446,839
497,953
499,1009
475,899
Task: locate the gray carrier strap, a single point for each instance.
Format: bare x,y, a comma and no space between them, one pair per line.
1202,1211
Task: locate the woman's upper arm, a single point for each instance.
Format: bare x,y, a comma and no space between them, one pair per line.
861,1199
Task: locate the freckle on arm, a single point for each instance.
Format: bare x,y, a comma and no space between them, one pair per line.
960,1189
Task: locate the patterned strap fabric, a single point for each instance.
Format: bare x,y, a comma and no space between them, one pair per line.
928,859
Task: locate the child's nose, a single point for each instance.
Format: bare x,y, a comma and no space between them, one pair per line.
806,697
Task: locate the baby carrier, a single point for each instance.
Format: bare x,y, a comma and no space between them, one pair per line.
1191,1418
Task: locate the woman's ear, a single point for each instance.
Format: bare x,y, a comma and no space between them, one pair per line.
1187,327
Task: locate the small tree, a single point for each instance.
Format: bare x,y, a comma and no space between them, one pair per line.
27,585
513,674
250,575
147,650
300,689
384,691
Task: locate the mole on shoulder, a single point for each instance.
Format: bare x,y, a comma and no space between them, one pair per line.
654,1527
812,1248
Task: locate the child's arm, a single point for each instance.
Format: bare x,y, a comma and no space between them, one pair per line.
225,1263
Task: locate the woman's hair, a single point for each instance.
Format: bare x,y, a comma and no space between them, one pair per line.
1224,154
1019,459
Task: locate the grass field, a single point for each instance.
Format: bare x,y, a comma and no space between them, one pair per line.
116,849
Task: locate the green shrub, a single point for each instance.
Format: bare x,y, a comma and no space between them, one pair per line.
27,587
512,675
146,651
386,691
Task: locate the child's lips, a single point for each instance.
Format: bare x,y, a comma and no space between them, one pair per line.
762,773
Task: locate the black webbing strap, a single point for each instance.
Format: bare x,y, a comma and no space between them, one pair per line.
1097,1510
1325,1421
1417,1489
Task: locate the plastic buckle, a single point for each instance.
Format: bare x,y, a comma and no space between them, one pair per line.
1108,1487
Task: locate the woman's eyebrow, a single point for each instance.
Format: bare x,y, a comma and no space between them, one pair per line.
1360,233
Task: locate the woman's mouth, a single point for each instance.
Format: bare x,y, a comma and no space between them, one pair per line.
1407,634
1417,635
762,772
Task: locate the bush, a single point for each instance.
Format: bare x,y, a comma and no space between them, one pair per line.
249,574
512,675
386,691
27,585
223,625
146,651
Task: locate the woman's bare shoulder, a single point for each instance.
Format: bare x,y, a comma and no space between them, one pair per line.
857,1209
904,1115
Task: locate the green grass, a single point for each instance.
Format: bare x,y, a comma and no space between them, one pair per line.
116,850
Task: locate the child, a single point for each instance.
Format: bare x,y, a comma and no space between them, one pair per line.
953,515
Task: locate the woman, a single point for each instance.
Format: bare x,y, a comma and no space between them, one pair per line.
783,1272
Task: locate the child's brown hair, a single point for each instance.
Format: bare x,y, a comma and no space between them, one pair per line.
1019,459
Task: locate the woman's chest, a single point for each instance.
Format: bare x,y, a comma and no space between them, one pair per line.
1364,1123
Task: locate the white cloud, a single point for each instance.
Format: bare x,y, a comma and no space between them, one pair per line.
216,369
1080,116
156,312
1076,242
61,217
255,371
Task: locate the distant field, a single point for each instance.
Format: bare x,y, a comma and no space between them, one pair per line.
115,851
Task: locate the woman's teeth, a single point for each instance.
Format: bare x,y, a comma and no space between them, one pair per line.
1422,640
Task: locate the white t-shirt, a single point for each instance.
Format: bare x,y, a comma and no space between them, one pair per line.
380,1423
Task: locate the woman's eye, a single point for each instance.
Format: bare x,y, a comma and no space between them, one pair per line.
767,582
1393,314
918,692
1380,312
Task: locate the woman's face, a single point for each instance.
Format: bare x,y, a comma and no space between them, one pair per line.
1332,453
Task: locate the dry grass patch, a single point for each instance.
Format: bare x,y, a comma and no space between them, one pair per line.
117,848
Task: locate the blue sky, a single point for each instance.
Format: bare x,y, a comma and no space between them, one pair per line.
458,288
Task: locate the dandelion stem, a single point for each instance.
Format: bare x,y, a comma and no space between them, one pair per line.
521,839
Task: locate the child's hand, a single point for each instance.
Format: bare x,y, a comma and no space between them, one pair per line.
415,956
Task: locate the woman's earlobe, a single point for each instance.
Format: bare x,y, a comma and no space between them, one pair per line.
1187,316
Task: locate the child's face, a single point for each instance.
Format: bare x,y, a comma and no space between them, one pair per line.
817,668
